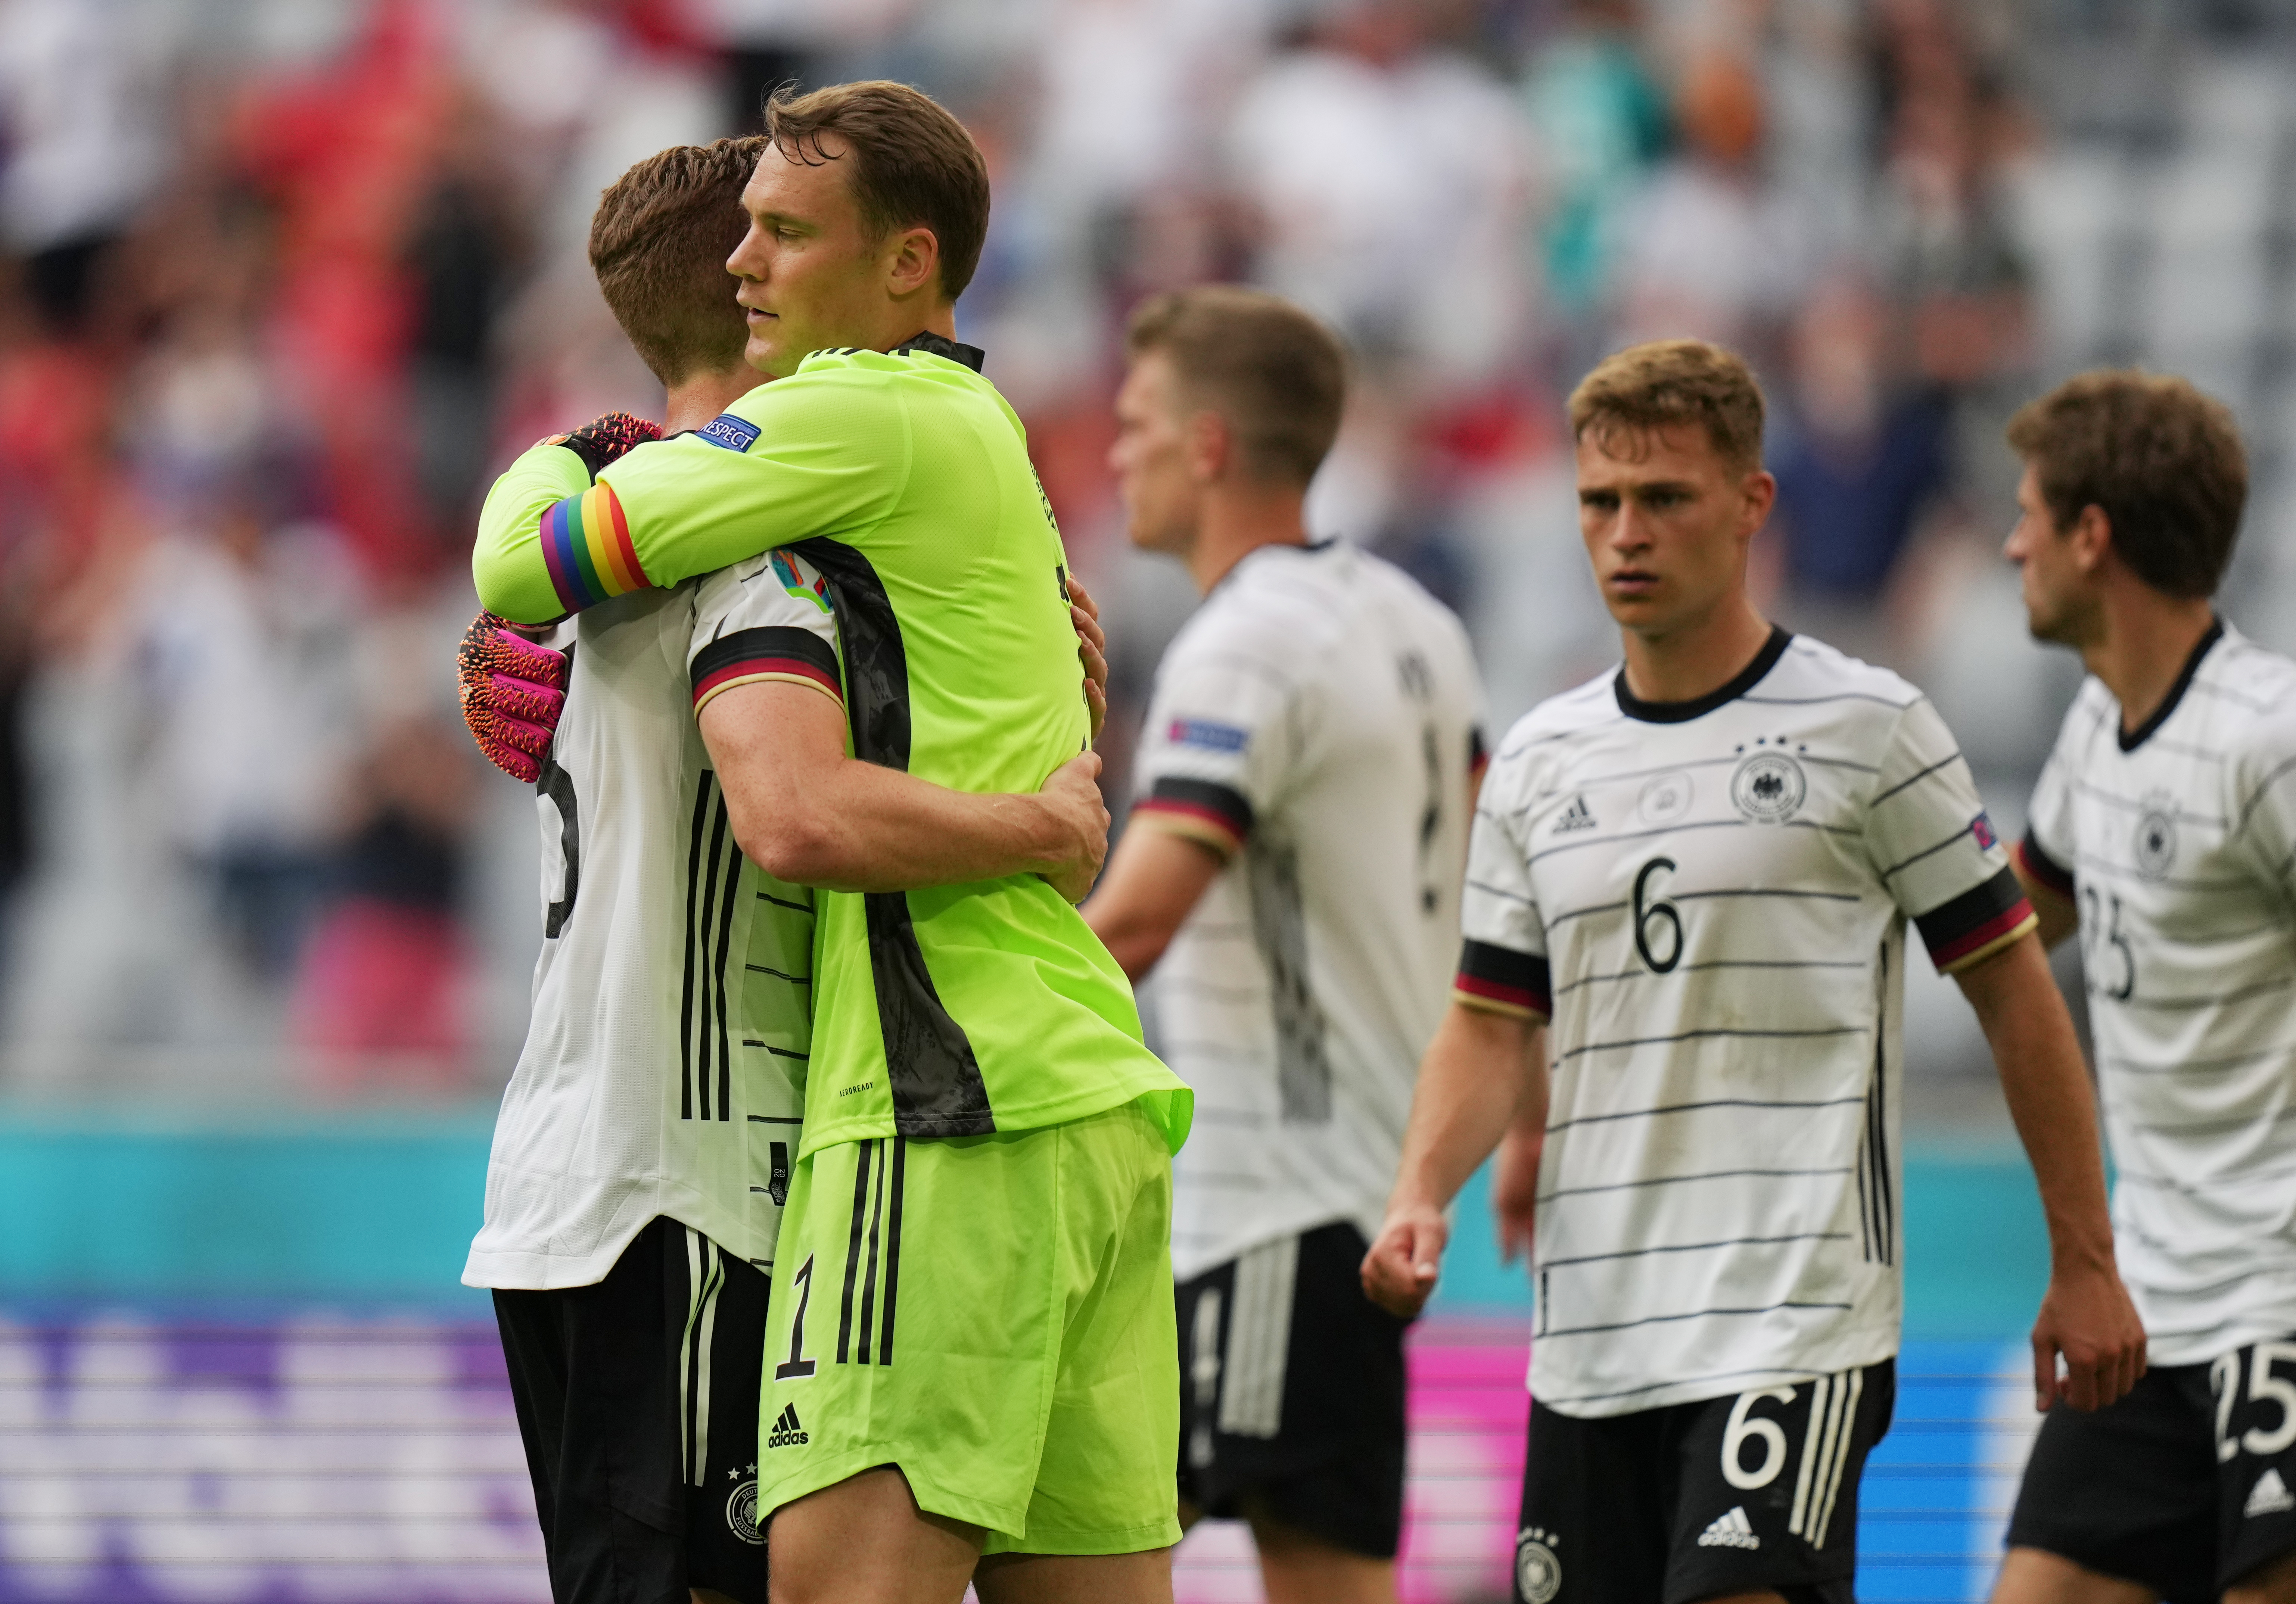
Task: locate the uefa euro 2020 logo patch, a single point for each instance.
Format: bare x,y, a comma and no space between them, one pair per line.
1982,827
1207,734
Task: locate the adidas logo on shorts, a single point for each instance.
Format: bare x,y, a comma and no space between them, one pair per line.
2269,1496
786,1432
1733,1530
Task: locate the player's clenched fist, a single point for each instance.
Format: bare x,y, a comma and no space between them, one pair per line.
1399,1271
1072,796
513,692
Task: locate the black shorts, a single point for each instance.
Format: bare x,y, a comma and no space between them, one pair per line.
1753,1492
1291,1393
637,1398
2162,1489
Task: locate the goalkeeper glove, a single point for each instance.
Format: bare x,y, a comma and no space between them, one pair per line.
606,437
513,692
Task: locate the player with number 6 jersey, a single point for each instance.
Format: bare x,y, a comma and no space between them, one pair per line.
2164,830
1682,985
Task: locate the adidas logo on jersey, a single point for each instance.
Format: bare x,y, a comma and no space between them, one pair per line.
1576,817
1733,1530
786,1432
2269,1496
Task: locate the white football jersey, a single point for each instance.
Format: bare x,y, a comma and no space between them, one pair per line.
1315,724
1709,900
664,1069
2177,841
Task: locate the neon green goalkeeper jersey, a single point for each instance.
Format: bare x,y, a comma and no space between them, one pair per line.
905,479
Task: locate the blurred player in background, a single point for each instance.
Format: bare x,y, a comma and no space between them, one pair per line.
1292,878
647,1139
1687,891
2164,827
986,1151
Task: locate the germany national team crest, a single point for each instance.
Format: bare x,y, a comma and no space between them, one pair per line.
1538,1573
1769,787
741,1513
2156,838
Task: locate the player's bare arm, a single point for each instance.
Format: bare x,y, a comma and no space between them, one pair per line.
804,811
2086,1318
1514,1173
2060,915
1478,1071
1155,880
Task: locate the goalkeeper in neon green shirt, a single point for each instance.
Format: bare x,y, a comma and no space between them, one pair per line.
970,1353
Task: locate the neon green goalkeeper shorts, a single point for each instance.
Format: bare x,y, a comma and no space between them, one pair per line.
993,1314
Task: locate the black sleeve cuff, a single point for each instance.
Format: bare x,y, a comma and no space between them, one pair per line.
2043,868
1503,979
1976,924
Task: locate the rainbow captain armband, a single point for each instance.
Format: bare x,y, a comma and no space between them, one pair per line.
586,544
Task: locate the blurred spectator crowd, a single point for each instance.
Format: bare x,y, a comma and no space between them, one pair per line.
284,283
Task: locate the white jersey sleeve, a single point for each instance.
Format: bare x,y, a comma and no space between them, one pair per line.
1932,844
1503,963
767,619
2264,788
1225,735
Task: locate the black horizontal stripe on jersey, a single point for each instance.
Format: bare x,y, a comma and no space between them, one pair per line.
1223,805
2262,786
1744,1241
2043,868
1831,696
1682,712
1642,973
2198,1127
1839,763
1789,893
2087,864
1718,1102
1595,782
772,1118
1170,985
1500,891
1502,975
1767,1371
1945,927
783,901
759,968
2138,805
1714,1314
1599,838
1563,1192
2226,693
1916,777
1966,832
1700,1036
2128,1066
2261,988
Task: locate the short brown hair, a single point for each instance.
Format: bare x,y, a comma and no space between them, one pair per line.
1664,383
2161,460
913,163
658,244
1278,377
